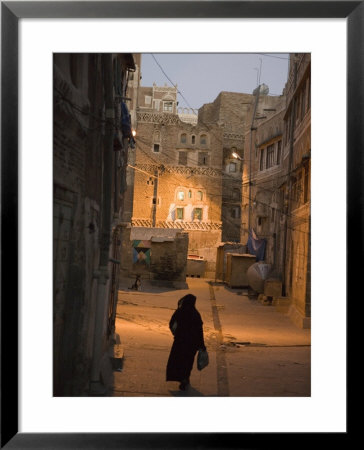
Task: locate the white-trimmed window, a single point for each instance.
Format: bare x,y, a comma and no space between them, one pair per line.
197,214
168,106
156,148
180,195
180,213
232,167
148,100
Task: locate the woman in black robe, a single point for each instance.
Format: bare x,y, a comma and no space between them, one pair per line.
186,327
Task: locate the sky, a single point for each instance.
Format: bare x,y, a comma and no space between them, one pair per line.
201,77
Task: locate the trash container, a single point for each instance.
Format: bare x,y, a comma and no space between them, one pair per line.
257,274
195,266
236,269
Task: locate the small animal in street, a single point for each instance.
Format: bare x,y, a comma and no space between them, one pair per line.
136,284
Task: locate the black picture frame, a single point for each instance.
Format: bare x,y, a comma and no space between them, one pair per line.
11,12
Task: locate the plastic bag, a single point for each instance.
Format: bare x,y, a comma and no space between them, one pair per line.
202,359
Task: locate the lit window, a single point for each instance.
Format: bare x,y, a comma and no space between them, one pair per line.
199,195
168,106
180,213
197,213
181,195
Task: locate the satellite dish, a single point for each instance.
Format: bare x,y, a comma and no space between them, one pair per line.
263,89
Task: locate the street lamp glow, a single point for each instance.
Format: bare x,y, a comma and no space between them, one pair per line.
133,133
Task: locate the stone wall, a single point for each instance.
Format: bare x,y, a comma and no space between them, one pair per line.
167,255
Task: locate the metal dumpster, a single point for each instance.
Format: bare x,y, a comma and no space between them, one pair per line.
236,269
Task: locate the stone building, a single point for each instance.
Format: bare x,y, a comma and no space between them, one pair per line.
90,148
177,172
186,172
229,112
296,260
264,174
276,185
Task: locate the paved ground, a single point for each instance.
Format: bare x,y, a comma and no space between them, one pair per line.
254,350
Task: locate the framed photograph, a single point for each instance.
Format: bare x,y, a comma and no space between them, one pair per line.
39,408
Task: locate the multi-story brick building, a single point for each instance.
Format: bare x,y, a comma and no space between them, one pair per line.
296,260
177,172
276,186
183,174
91,142
263,174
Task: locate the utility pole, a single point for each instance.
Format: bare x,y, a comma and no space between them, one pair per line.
289,179
155,196
252,128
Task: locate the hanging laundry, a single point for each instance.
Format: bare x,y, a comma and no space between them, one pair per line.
125,121
256,246
117,78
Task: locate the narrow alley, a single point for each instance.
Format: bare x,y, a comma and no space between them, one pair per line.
254,350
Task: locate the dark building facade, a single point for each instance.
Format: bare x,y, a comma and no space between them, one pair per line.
91,140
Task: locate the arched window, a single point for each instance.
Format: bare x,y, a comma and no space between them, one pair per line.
203,139
168,106
193,140
180,195
183,138
199,195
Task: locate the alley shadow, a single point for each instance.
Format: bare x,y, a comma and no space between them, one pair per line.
190,392
243,291
152,287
